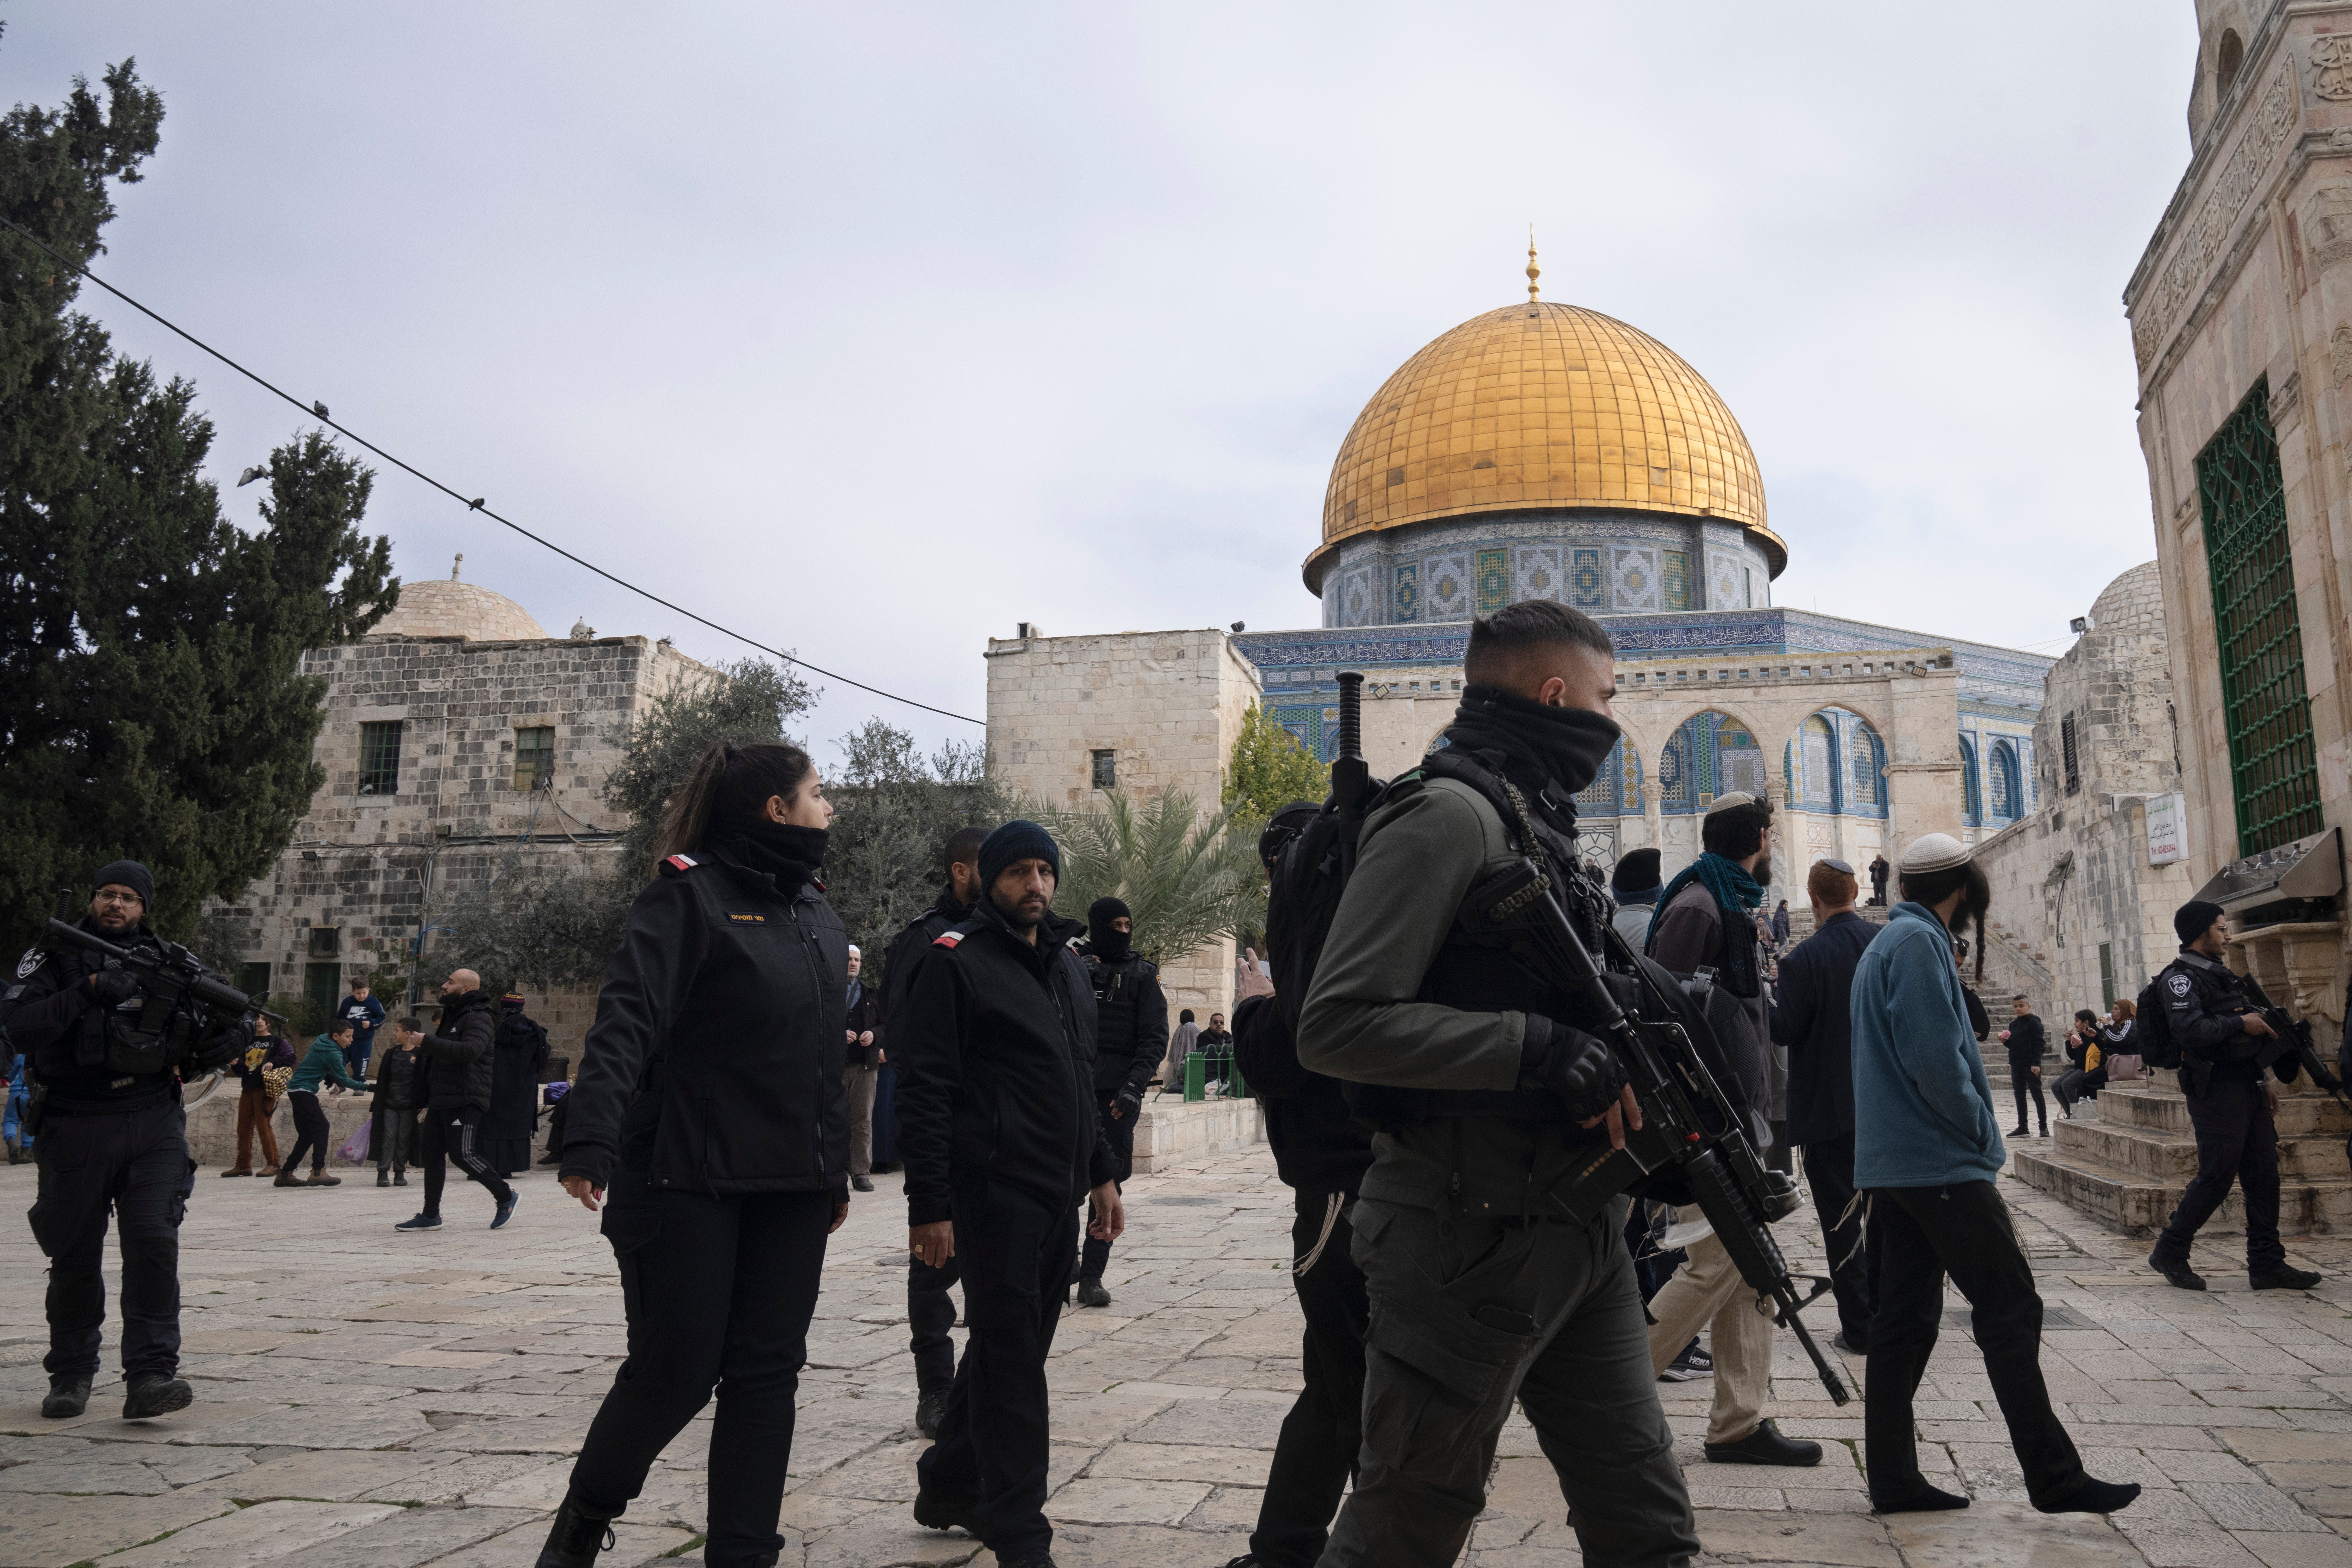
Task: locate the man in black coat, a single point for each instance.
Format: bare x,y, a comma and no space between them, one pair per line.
1003,1143
2027,1044
1130,1038
861,1070
931,1311
1812,1021
517,1058
455,1083
112,1140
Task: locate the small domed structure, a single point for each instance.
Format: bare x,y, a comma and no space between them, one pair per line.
435,608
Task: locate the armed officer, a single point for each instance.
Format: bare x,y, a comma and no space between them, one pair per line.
1130,1038
113,1135
1490,1099
2214,1017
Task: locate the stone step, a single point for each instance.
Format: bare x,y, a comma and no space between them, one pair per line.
2302,1112
2172,1158
2139,1204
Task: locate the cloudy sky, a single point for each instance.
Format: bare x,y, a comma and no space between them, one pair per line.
870,331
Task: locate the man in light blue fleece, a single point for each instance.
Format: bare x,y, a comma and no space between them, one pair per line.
1927,1150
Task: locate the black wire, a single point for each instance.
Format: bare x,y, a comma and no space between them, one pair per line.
317,411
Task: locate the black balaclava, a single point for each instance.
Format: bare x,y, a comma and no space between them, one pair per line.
1107,943
1567,745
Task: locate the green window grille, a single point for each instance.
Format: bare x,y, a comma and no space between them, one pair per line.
2274,770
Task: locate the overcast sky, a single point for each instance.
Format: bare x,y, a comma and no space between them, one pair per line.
873,330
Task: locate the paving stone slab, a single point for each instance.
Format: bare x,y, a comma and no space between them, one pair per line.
42,1531
1841,1540
410,1536
257,1534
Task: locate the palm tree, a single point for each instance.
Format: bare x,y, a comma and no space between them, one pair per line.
1184,877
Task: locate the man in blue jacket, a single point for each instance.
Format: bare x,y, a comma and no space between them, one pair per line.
1927,1150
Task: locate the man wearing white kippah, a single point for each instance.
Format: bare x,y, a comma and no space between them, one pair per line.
1927,1150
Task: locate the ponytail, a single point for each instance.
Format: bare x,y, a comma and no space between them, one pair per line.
727,782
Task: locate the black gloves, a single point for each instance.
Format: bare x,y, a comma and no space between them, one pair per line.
1128,1104
217,1050
113,985
1572,1065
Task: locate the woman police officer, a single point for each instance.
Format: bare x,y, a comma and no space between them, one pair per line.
710,1117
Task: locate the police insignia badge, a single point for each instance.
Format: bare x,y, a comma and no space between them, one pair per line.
30,962
2178,985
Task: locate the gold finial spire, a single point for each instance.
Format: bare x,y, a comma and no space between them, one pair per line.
1534,271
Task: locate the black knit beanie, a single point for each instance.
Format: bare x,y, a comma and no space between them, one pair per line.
2194,919
1018,839
127,874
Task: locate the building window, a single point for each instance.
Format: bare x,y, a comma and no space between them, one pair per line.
2067,750
1105,770
2107,972
1971,786
2228,61
380,758
253,979
326,942
535,758
1867,795
2273,768
322,987
2000,779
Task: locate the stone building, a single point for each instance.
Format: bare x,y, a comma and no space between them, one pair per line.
1543,451
459,738
2082,896
2241,315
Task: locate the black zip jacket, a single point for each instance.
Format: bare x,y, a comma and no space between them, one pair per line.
714,1064
906,952
458,1062
1815,1021
996,1051
397,1079
2026,1042
1317,1147
1130,1023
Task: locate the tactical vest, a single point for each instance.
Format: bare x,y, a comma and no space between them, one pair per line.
1118,989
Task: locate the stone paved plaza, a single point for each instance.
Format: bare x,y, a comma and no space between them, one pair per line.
383,1400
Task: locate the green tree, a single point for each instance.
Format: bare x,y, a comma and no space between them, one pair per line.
896,808
1186,876
151,702
541,926
1269,769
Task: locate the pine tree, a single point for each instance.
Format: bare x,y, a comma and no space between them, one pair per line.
152,701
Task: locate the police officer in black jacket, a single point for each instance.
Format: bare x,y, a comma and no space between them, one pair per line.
2214,1016
710,1106
931,1311
1002,1140
114,1136
1130,1038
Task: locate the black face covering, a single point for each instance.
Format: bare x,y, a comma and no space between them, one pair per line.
789,854
1566,745
1108,944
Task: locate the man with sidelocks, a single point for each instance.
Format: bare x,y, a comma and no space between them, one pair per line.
1489,1095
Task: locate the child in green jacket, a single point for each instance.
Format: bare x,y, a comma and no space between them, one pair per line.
321,1064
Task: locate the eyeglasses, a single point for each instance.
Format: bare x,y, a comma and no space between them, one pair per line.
1835,865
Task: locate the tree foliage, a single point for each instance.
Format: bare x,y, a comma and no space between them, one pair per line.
896,809
151,702
1185,875
1269,770
539,925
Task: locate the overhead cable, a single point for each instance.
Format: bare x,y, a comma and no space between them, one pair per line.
317,411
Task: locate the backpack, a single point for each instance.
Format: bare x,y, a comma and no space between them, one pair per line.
2157,1048
1308,873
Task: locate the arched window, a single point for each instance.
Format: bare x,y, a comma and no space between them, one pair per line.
1971,786
1868,794
2001,781
2228,60
1710,754
1817,751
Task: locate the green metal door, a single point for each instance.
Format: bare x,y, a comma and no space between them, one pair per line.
2273,769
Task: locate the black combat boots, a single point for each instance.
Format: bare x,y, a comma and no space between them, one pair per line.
575,1538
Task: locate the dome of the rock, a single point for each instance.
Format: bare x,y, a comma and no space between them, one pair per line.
445,607
1542,407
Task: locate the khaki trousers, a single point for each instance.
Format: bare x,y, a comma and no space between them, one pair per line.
1706,1290
860,1083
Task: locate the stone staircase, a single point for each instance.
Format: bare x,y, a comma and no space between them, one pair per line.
2129,1166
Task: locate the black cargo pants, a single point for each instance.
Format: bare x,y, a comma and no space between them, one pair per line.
2237,1140
1468,1315
1315,1453
134,1165
931,1313
1094,1256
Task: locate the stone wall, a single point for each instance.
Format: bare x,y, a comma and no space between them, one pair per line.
1166,706
2074,879
365,871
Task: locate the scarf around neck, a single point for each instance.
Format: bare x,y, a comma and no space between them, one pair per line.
1737,895
789,854
1563,745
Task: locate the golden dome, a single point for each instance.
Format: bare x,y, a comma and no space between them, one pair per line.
1539,406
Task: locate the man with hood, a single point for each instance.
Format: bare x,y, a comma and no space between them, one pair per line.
931,1311
1634,885
1490,1095
1131,1037
1003,1142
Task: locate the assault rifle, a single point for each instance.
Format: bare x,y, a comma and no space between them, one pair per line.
168,977
2291,1041
1691,1130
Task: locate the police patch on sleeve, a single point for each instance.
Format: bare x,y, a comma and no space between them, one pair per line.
2178,985
30,962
